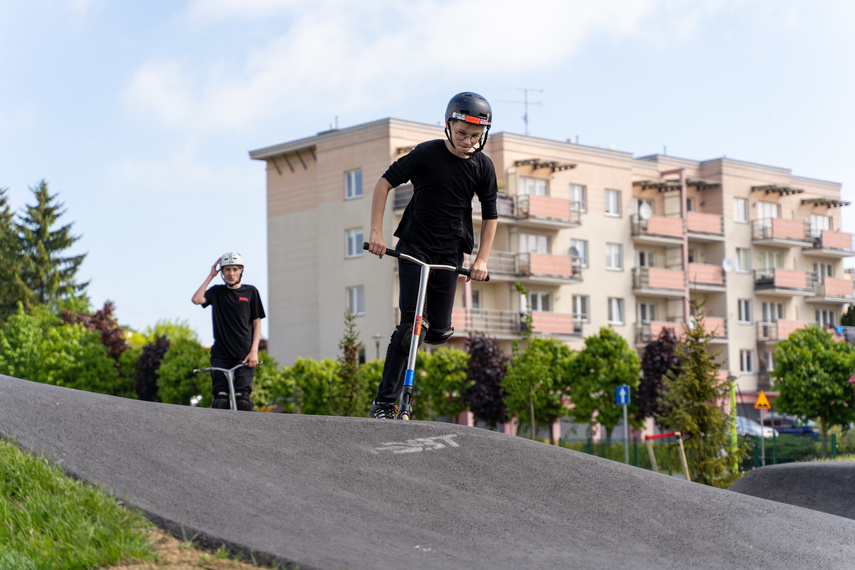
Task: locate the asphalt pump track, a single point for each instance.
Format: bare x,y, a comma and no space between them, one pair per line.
357,493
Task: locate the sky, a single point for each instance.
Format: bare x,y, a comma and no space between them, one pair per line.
141,115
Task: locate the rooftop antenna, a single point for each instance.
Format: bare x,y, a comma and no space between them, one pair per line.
525,102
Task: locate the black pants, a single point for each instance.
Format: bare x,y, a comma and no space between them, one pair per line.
242,380
439,301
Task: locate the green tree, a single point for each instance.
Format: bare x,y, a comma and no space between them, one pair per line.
537,381
21,341
176,383
812,376
524,387
11,285
48,276
349,394
314,385
148,362
274,387
171,330
444,382
694,400
606,362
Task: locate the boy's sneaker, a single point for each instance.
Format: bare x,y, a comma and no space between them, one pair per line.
383,410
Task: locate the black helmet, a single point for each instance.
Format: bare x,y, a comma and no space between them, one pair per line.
471,108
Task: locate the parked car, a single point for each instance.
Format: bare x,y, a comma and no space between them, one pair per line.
790,425
749,428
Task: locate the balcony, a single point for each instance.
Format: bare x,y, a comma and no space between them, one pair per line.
781,233
536,211
783,282
705,277
645,332
779,330
535,267
658,282
831,244
705,227
657,230
506,325
833,290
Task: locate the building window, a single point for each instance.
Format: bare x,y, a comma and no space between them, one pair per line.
745,311
533,186
581,251
476,301
818,223
743,260
740,210
539,301
824,318
614,256
645,312
746,361
578,198
580,309
615,311
531,243
690,204
356,300
353,184
823,270
354,243
645,258
613,202
771,261
692,255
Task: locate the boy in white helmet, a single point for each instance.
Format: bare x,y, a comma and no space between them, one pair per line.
436,228
237,318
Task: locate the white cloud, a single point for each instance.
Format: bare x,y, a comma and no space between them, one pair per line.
330,53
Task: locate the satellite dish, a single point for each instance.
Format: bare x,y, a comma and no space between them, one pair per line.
574,252
727,265
645,210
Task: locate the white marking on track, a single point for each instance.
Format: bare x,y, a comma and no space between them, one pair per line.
419,444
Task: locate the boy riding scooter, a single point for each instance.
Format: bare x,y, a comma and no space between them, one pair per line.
436,228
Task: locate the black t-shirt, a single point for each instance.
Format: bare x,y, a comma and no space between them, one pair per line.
233,313
439,215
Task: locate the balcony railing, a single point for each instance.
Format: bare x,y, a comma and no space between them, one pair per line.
657,227
655,278
831,287
701,223
645,332
777,229
784,280
836,244
511,323
562,267
779,330
706,274
554,211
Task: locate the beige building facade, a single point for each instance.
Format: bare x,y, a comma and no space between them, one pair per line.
597,237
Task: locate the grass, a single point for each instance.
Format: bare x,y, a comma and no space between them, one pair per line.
49,520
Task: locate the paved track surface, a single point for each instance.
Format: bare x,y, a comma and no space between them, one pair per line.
827,486
357,493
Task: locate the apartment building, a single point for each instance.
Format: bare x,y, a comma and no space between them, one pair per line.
597,236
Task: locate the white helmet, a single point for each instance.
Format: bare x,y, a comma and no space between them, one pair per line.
231,258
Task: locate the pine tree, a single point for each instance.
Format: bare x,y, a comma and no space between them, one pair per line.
47,275
351,393
11,290
694,399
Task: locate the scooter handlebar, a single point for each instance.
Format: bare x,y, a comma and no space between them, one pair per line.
395,253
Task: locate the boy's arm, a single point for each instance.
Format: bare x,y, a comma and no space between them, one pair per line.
478,270
252,358
199,295
376,245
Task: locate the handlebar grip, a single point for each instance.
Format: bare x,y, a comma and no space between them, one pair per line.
465,272
389,252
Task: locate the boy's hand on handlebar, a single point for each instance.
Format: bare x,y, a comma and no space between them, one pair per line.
376,245
251,360
478,271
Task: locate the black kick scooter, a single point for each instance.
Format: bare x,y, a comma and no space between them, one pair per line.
230,376
406,409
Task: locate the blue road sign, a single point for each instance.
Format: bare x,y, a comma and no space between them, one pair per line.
622,395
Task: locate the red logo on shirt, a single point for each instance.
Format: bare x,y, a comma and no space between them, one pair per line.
243,299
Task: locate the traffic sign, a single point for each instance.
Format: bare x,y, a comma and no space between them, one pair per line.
622,395
762,402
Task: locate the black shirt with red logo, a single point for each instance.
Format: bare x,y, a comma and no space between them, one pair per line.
234,310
